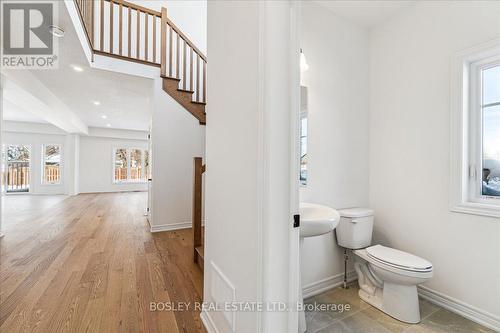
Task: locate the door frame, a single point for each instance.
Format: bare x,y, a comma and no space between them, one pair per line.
294,262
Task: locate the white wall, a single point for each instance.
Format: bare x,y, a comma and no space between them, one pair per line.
177,138
410,147
248,202
337,82
35,135
87,160
231,177
96,159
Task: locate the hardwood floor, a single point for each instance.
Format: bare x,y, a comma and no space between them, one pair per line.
89,264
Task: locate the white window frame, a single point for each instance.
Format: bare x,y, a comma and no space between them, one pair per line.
466,131
60,182
143,179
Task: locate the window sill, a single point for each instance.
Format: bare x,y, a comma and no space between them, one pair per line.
128,182
475,208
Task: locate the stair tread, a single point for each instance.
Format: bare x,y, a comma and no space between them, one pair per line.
170,78
201,251
184,98
186,90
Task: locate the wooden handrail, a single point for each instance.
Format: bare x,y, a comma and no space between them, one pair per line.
184,37
199,169
136,7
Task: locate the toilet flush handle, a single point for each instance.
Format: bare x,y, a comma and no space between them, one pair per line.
354,221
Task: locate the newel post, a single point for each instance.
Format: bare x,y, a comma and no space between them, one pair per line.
197,202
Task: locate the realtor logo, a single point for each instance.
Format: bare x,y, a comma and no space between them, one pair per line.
26,38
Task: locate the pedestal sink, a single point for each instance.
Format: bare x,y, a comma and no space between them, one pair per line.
315,220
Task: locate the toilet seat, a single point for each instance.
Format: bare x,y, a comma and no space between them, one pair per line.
398,259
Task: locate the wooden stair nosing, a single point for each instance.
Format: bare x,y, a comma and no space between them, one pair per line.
186,90
170,77
200,256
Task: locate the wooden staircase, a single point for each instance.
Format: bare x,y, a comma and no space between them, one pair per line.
185,98
183,67
179,57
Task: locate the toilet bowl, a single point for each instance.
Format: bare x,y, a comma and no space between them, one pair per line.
388,280
387,277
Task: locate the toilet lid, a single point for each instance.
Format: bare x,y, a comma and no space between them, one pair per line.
398,258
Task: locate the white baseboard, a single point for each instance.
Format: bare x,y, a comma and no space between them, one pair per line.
331,282
465,310
170,227
208,322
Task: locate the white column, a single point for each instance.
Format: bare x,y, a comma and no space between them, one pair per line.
72,164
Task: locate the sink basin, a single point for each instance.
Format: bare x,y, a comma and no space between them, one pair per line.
317,220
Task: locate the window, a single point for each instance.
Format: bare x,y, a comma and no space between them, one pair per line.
490,109
303,148
18,172
51,164
135,164
147,165
475,182
130,165
121,165
303,135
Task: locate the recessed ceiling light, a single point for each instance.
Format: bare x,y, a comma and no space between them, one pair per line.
77,68
56,31
108,125
96,103
104,116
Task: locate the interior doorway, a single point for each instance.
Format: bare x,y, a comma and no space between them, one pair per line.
17,171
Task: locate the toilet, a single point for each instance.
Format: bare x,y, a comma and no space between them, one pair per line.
387,277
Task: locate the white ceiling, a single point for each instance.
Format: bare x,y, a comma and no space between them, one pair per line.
365,13
124,99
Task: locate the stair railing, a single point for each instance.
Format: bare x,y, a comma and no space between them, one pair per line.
123,30
127,31
86,11
199,169
180,57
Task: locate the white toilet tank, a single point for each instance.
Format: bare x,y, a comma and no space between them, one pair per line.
355,228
